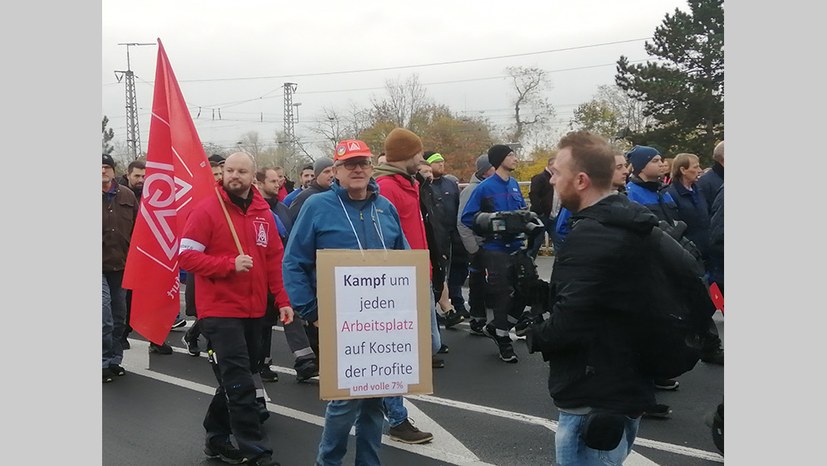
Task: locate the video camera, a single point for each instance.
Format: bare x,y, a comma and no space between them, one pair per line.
507,223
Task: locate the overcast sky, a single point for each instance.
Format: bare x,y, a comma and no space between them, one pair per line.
225,53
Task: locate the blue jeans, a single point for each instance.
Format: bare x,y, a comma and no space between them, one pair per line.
339,417
571,450
395,410
113,304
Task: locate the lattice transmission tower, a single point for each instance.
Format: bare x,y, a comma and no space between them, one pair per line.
133,134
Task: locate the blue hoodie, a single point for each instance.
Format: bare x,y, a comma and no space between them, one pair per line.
322,224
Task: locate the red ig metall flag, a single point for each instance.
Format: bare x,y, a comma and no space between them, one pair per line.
178,175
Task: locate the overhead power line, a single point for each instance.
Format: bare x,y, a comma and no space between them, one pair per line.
419,65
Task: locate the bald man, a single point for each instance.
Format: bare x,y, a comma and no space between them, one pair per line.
231,297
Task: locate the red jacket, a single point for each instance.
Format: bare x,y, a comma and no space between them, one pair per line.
403,192
209,251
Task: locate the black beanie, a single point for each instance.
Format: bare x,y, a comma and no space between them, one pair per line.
497,153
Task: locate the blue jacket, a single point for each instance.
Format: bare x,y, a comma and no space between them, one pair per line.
652,195
331,220
562,228
495,195
289,198
693,210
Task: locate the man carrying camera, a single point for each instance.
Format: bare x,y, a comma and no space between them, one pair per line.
499,193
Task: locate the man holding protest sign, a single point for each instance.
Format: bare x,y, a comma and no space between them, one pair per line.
232,247
351,215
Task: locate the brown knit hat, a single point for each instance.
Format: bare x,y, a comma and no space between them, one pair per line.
402,144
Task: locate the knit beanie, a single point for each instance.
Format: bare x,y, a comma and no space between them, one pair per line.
497,153
108,160
320,165
482,165
401,145
640,156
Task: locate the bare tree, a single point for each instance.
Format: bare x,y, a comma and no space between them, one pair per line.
630,112
403,101
530,85
252,144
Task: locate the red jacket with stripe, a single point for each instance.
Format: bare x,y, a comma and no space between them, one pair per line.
208,251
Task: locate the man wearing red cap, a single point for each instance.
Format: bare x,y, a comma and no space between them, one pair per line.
351,215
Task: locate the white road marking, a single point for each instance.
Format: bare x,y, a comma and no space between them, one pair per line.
445,447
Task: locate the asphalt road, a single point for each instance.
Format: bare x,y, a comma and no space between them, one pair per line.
482,411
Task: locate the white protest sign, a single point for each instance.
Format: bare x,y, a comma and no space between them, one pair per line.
377,329
374,323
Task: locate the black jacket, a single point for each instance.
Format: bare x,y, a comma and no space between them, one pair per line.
541,194
596,296
716,238
692,208
710,182
298,202
433,217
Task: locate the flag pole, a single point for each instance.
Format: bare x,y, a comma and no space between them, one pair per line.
229,221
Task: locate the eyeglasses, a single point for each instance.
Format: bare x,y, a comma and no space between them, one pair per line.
352,164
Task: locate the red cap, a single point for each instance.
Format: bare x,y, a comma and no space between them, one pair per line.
350,148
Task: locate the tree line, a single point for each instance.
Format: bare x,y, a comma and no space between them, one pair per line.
673,102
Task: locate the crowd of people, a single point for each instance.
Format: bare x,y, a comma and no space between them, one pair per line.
249,258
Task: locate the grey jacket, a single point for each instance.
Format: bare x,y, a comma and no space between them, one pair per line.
471,241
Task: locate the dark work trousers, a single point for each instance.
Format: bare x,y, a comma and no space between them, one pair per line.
476,288
457,270
189,307
234,409
127,329
499,291
294,332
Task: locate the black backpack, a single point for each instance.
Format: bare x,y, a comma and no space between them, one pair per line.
675,324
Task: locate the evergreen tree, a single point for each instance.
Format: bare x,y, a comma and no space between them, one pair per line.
683,89
108,134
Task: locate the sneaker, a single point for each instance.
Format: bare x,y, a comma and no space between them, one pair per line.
507,353
269,375
307,370
452,318
666,384
191,345
407,433
476,327
108,376
463,311
264,461
180,322
443,349
658,411
160,349
117,370
221,447
715,357
263,412
504,347
521,327
437,363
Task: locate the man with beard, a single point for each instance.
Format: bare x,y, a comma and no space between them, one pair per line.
231,296
598,288
119,211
